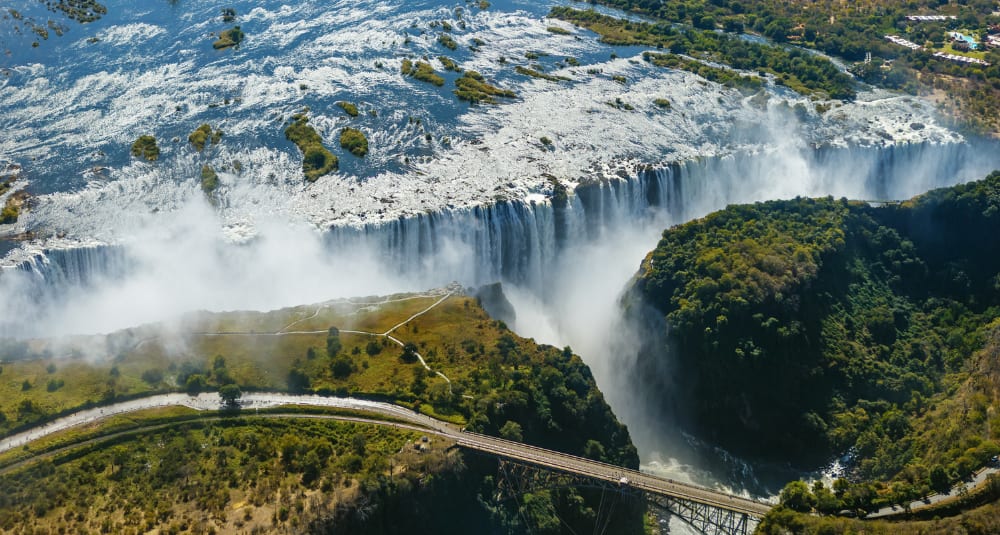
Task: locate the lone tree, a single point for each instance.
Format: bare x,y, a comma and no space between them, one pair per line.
333,344
796,496
409,353
230,395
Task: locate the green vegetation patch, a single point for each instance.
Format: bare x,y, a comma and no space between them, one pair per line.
473,88
145,147
538,74
354,141
800,70
316,159
209,179
11,210
447,41
422,71
229,38
349,108
220,476
827,326
662,103
620,104
558,31
727,77
202,135
449,64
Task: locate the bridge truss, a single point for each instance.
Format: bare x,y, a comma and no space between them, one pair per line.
705,518
514,479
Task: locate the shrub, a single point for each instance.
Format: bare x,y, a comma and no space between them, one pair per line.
229,38
351,109
449,64
473,88
209,179
424,72
200,136
145,147
354,141
316,159
447,41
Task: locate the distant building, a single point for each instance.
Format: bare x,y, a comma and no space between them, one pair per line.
927,18
962,42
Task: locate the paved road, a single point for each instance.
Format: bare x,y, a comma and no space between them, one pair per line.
978,479
492,445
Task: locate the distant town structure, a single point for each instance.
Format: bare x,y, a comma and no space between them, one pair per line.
903,42
960,59
929,18
960,41
992,36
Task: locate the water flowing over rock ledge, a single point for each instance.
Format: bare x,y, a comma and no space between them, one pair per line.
522,241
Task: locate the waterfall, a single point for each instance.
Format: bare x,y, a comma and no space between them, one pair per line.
522,242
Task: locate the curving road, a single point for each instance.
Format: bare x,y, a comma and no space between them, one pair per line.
492,445
976,480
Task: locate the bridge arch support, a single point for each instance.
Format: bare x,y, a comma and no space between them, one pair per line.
706,518
516,478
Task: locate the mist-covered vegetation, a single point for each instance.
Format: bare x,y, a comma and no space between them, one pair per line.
813,327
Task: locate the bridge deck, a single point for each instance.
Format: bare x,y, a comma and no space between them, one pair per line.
577,465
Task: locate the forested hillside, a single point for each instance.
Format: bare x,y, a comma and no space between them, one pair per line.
813,327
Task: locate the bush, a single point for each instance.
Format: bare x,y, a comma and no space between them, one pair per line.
200,136
317,160
351,109
152,376
447,41
229,38
422,71
145,147
473,88
342,367
209,179
354,141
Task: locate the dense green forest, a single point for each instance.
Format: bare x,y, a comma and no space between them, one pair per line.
850,30
812,327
